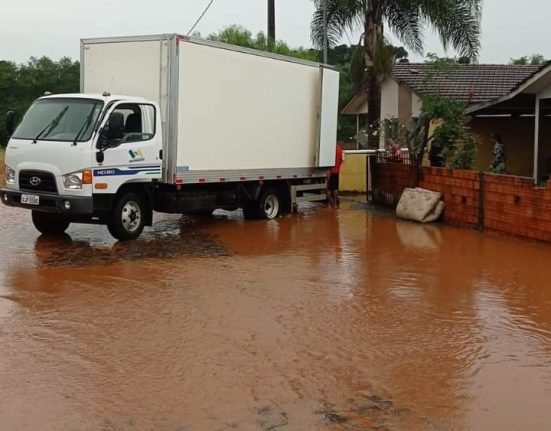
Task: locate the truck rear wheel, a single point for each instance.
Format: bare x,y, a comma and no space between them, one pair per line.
50,224
269,205
128,217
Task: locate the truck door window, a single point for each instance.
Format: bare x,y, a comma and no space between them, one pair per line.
139,122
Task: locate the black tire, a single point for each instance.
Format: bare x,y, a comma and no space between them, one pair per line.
270,204
128,217
49,223
250,211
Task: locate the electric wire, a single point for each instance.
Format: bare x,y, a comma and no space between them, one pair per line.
200,17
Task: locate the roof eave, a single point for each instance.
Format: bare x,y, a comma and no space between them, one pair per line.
521,87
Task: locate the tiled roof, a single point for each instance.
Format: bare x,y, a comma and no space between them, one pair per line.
473,83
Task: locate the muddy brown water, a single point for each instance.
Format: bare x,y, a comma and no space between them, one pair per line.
325,320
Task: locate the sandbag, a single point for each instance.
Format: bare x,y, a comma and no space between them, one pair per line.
420,205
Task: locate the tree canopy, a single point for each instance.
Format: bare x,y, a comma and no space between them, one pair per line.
21,84
533,60
240,36
456,21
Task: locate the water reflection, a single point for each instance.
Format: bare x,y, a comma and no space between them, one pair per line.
334,320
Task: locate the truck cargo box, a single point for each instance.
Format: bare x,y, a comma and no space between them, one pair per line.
227,112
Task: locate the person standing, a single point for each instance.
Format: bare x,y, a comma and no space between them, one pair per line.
333,178
499,161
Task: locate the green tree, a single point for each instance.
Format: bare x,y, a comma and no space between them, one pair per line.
21,84
240,36
456,21
442,124
533,60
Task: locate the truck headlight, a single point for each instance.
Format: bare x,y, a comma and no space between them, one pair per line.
75,180
10,175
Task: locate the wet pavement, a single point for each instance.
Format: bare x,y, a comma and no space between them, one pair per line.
324,320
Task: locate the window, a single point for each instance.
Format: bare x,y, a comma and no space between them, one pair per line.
60,119
139,122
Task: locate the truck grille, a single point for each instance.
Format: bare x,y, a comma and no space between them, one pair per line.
37,181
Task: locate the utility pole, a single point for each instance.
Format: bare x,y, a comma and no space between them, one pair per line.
271,24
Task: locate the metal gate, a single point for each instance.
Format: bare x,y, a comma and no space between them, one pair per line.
389,175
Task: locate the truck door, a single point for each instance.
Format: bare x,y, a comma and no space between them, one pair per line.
134,156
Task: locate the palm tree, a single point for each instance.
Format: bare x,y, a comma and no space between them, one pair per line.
456,21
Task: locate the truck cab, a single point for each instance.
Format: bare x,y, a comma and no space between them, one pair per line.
74,156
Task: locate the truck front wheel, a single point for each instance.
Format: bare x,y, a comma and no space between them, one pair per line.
50,224
128,217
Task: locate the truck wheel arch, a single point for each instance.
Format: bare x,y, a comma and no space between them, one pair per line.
146,193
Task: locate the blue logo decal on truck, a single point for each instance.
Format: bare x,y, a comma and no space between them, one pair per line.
110,172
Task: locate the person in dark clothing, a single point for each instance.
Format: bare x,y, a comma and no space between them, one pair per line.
435,156
499,161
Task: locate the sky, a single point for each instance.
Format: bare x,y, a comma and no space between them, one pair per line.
55,27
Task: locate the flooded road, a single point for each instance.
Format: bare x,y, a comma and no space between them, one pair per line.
325,320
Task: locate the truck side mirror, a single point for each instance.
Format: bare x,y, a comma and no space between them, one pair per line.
116,126
10,122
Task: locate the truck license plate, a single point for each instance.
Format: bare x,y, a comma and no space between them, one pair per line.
30,199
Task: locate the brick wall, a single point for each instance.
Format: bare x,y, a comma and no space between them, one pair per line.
460,192
513,205
510,204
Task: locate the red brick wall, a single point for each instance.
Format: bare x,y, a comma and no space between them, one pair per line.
513,205
460,192
510,204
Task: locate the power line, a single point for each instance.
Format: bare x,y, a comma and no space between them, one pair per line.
200,18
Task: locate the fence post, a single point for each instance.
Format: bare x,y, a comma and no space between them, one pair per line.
481,192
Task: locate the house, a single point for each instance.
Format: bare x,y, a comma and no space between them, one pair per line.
512,100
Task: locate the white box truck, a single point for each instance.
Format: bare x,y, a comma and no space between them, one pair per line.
173,124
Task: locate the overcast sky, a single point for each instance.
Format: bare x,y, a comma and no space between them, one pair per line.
54,27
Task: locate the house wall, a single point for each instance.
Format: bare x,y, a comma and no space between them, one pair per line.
518,136
398,101
390,95
404,104
416,105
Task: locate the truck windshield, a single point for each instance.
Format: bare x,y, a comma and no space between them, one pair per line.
59,119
